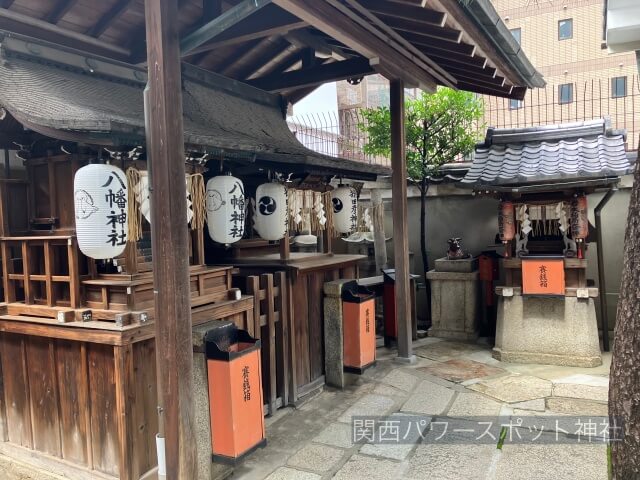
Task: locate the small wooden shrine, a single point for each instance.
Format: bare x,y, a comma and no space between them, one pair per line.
543,177
81,329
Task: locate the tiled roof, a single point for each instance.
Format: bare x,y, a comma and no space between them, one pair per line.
567,152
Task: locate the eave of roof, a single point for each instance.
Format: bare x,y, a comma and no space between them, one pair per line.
79,98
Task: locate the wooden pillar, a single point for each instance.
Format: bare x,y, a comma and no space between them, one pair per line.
170,238
400,226
379,242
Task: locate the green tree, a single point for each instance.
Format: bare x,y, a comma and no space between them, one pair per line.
440,127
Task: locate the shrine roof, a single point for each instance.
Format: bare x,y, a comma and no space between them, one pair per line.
572,152
94,100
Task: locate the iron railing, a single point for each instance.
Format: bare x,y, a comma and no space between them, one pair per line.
338,134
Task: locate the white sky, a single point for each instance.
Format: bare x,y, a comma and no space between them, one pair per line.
321,100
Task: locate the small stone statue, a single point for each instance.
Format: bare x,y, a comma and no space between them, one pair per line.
455,251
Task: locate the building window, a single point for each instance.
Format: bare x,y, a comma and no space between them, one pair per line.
565,29
565,93
618,87
515,104
517,34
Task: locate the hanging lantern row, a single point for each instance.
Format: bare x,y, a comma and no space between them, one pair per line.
103,212
100,204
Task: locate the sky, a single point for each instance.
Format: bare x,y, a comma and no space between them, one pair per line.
321,100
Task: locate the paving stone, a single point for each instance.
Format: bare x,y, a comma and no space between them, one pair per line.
576,406
552,462
285,473
317,458
368,405
442,351
484,356
589,387
402,380
370,468
429,399
450,462
389,391
409,434
474,405
514,388
536,405
337,434
460,370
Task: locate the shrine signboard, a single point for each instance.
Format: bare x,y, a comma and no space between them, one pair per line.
543,276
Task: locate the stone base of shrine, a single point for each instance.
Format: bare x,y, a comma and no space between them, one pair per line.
553,331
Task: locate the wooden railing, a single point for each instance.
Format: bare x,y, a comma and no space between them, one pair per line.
41,270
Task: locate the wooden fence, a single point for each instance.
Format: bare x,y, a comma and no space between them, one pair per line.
270,326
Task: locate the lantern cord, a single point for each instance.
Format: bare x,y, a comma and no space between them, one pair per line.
198,197
133,207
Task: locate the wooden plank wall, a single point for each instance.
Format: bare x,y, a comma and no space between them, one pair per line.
93,405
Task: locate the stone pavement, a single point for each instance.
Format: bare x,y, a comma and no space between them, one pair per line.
450,379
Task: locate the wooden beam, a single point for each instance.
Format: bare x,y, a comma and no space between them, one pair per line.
487,49
218,25
211,9
253,28
60,10
327,19
303,39
316,75
437,44
170,239
34,27
413,26
282,60
400,222
407,12
110,16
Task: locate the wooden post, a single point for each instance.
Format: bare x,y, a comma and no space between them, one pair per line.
379,242
400,226
170,238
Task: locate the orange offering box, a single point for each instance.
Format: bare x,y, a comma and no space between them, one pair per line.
543,276
359,324
235,393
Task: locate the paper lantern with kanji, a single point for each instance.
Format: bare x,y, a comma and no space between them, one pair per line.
506,221
225,204
100,198
579,218
345,209
272,211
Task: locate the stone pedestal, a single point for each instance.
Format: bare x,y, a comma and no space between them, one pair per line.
554,331
463,265
333,334
454,300
207,470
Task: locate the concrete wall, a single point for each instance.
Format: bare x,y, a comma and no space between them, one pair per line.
455,213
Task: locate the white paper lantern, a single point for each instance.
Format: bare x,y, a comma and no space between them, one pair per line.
225,209
100,198
271,211
345,209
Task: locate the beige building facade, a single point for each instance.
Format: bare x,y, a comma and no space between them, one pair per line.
563,39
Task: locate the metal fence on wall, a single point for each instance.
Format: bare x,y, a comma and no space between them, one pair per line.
589,100
338,134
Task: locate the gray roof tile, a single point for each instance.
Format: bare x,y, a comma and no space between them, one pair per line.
583,150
